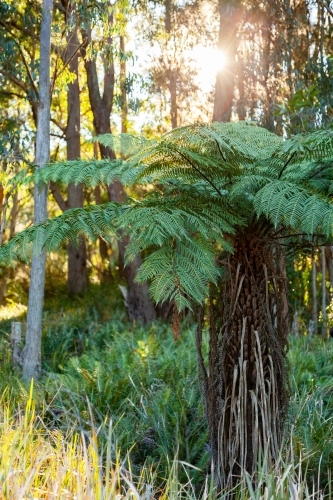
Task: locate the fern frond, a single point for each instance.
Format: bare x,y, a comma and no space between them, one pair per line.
290,205
125,144
207,183
91,221
179,215
179,271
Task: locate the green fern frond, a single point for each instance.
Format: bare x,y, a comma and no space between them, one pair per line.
91,221
125,144
88,172
178,271
207,185
290,205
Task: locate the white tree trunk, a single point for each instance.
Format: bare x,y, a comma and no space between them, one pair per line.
32,351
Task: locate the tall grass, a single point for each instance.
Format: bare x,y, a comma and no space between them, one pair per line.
118,414
39,463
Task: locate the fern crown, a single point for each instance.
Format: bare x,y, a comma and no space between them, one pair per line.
205,185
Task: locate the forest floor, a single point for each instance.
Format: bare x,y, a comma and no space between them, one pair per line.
117,413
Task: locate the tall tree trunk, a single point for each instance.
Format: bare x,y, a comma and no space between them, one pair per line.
124,110
173,98
77,258
103,247
225,78
245,388
172,73
31,356
330,268
105,275
324,292
7,273
138,302
268,119
314,297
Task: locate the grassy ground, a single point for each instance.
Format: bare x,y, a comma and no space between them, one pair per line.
118,413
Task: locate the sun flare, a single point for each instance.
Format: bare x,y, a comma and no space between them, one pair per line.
208,62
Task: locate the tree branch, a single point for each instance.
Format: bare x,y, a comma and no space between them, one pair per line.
4,92
78,49
60,7
59,125
17,43
15,80
63,205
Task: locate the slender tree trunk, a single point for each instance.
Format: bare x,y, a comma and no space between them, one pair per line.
124,110
173,98
225,78
7,273
105,274
269,103
77,258
314,297
103,247
32,351
324,292
245,387
172,73
330,268
2,213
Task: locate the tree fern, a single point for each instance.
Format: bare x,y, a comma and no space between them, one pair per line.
207,182
219,201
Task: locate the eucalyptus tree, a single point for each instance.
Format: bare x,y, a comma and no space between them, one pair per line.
19,56
101,96
272,50
77,258
11,161
31,362
229,20
224,203
174,30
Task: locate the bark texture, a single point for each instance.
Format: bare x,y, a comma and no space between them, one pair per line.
314,297
123,88
225,78
172,72
245,388
323,293
77,255
8,272
31,363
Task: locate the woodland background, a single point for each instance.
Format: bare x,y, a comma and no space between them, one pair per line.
148,67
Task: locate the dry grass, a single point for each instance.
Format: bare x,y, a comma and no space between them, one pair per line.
39,463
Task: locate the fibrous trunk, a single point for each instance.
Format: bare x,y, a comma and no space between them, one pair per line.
245,389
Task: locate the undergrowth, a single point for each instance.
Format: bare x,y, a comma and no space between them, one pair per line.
118,414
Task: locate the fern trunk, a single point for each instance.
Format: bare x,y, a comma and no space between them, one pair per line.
246,391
